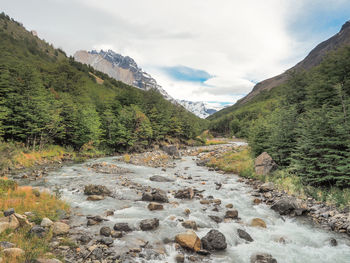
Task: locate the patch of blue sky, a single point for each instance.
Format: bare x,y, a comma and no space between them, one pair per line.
183,73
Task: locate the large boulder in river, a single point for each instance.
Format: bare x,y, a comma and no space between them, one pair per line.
262,258
189,240
92,189
171,150
162,179
187,193
156,195
264,164
285,206
214,240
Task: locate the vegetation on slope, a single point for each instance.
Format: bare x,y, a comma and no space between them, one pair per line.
47,98
304,124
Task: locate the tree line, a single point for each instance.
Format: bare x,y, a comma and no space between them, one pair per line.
47,98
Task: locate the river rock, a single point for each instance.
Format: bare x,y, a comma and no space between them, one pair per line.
96,190
214,240
158,178
231,214
46,222
229,206
264,164
187,211
9,212
257,201
266,187
59,228
171,150
257,222
149,224
155,206
216,219
38,231
6,244
122,227
13,252
117,234
333,242
244,235
95,198
179,258
185,194
189,224
107,241
285,206
189,240
105,231
262,258
156,195
84,239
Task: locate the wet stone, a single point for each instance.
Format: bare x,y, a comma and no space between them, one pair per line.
122,227
216,219
149,224
231,214
244,235
105,231
106,241
214,240
262,258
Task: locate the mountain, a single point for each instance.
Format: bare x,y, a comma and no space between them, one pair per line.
313,59
122,68
199,108
125,69
47,98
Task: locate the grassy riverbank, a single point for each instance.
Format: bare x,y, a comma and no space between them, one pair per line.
40,205
241,162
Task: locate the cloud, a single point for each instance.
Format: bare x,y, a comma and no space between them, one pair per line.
237,43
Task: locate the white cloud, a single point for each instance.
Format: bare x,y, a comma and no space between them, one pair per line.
236,41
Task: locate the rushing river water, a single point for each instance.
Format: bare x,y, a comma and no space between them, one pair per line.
304,243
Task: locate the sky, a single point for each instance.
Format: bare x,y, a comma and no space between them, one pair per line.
198,50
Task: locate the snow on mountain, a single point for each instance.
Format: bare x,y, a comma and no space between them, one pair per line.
199,108
125,69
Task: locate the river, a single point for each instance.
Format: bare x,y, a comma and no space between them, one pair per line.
303,242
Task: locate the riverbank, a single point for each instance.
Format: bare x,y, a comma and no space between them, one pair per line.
134,208
328,209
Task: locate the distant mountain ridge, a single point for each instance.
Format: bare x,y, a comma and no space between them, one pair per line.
125,69
199,108
314,58
122,68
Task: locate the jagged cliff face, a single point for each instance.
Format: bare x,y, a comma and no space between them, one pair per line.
121,68
314,58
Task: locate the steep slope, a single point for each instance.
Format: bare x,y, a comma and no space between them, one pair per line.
313,59
47,98
120,68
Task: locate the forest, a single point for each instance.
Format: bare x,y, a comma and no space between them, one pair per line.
47,98
303,124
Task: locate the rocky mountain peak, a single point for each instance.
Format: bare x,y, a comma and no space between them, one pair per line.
345,26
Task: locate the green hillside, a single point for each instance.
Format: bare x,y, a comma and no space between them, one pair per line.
48,98
303,124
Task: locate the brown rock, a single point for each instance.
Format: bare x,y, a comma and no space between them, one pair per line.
95,198
257,222
229,206
231,214
60,228
155,206
189,240
257,201
264,164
